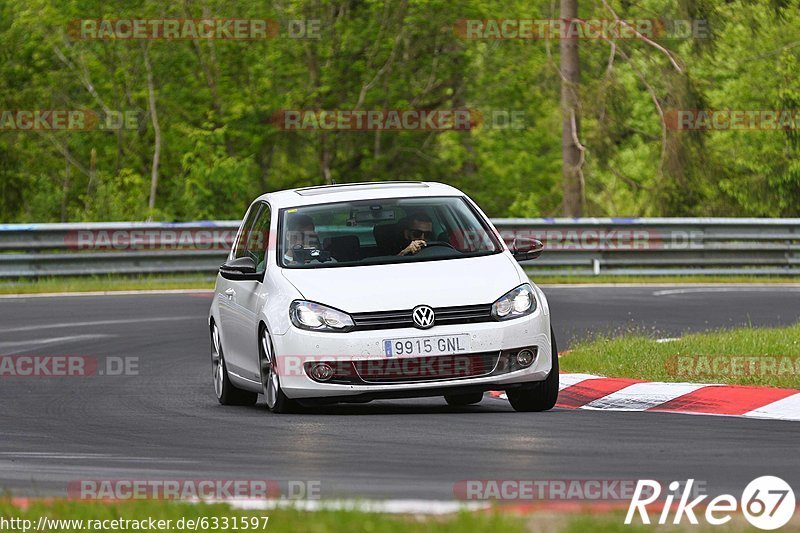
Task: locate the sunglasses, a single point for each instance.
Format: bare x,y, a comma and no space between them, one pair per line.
419,234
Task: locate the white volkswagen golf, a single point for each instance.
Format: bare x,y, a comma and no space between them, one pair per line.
349,293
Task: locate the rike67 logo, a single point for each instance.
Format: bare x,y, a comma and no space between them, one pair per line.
767,502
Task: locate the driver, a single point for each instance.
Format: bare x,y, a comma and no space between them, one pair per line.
417,232
300,233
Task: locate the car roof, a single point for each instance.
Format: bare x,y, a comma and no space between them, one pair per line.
346,192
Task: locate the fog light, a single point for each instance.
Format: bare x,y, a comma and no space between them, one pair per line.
525,358
322,372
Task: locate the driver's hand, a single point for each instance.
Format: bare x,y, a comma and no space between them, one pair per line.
414,247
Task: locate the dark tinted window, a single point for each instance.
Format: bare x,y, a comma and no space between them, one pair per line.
381,231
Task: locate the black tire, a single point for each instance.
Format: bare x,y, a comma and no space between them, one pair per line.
540,396
277,401
227,393
469,398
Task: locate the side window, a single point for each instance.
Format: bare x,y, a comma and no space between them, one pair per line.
258,243
241,244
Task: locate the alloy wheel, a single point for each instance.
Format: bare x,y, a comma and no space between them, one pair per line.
269,374
216,361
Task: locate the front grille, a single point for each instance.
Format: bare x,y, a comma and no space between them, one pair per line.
421,369
464,314
425,369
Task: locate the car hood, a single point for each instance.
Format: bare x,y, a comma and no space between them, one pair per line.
443,283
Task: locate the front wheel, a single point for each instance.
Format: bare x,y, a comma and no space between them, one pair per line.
277,402
226,393
542,395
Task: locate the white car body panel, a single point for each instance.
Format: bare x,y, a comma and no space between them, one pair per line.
406,285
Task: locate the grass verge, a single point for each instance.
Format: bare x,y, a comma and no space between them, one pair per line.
671,280
105,283
209,517
220,517
154,282
741,356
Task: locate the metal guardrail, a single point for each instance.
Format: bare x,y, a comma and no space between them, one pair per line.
586,246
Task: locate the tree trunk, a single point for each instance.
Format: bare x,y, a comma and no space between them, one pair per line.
156,129
325,158
65,188
571,150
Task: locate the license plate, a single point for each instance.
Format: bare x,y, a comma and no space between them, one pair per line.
420,346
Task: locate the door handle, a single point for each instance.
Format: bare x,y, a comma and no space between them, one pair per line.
230,293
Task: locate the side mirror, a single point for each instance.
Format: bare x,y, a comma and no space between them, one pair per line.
524,249
240,269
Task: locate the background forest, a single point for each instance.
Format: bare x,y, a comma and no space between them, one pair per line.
204,137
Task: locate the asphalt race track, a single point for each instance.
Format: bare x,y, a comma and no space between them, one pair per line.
165,422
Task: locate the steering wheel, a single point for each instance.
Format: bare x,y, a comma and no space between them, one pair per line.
439,243
431,244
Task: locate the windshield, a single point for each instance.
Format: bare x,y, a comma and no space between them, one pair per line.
394,230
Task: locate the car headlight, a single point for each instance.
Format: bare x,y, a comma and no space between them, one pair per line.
515,303
317,317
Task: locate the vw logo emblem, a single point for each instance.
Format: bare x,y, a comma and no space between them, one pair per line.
423,316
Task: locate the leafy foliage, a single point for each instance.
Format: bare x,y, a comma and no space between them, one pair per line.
214,100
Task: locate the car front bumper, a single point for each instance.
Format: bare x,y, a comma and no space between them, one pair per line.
297,347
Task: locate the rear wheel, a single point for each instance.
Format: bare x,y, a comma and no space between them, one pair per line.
463,399
277,402
542,395
226,393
